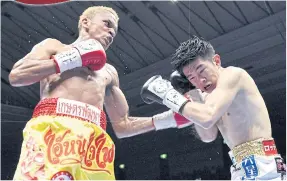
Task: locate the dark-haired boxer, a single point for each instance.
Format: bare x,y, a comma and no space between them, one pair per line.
233,105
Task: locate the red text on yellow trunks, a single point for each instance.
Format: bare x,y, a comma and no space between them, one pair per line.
93,153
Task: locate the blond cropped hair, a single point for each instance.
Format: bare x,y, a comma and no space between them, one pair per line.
92,11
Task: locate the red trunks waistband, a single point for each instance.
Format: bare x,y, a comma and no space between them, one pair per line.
70,108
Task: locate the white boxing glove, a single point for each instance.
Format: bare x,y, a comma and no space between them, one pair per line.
160,90
89,53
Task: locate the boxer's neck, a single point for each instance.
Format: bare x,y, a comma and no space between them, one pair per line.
81,38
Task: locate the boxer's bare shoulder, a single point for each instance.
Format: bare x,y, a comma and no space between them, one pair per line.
49,42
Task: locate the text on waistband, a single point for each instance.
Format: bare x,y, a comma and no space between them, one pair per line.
78,109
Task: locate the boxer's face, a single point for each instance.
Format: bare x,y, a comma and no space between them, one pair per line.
102,27
203,74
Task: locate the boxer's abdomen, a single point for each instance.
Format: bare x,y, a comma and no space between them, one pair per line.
79,84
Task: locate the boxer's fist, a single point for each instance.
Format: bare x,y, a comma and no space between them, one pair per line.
160,90
154,84
180,82
170,119
89,53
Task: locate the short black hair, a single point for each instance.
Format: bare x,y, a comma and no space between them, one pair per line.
190,50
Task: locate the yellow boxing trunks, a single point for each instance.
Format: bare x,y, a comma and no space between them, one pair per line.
66,140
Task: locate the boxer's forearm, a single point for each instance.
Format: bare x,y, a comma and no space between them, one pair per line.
140,125
201,114
118,111
31,71
132,126
36,65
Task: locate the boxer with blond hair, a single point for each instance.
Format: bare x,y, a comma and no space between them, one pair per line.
66,137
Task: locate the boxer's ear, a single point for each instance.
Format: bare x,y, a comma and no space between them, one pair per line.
85,22
216,60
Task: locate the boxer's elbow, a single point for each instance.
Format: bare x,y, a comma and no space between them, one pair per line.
207,135
18,79
120,132
207,124
207,140
12,79
121,129
210,136
20,75
15,78
120,135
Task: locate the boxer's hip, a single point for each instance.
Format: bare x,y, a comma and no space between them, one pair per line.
260,147
66,139
59,107
257,159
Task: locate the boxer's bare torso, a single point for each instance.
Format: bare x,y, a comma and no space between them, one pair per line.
80,84
247,117
99,88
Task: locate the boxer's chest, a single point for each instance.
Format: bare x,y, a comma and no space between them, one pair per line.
236,115
235,122
80,80
84,75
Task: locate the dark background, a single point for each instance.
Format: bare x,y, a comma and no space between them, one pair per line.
250,35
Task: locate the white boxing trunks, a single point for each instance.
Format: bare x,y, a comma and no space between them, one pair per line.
257,160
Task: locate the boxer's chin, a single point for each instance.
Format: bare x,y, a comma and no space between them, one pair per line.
207,88
107,46
104,44
210,88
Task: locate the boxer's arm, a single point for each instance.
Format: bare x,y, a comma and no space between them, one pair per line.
36,65
207,135
217,102
117,109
